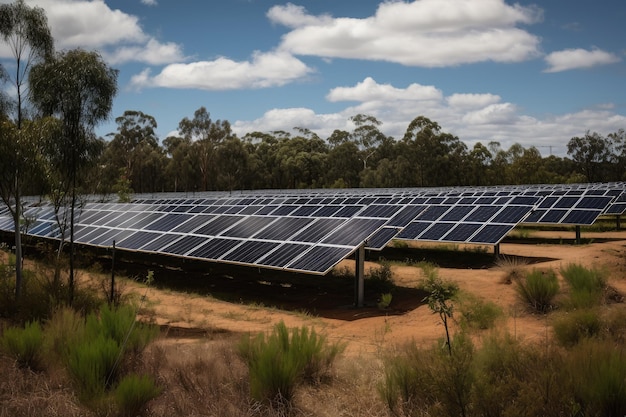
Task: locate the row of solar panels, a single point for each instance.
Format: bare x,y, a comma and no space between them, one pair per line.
311,231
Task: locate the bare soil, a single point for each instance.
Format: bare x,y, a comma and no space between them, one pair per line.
209,305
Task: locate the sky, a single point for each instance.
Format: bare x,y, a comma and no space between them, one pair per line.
534,73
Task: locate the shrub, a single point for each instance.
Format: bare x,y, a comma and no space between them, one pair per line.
587,285
64,330
92,364
278,362
133,393
597,372
479,314
575,326
538,289
24,344
380,279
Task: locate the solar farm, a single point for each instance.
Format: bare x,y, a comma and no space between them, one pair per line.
311,231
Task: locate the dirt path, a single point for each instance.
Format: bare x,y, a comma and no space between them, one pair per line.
193,316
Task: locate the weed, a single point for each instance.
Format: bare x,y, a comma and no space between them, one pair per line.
537,289
587,285
133,393
385,301
479,314
25,344
572,327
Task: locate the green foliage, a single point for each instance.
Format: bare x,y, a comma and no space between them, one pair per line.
573,327
419,381
597,372
538,289
385,301
380,279
439,295
587,286
133,393
25,344
280,361
479,314
92,365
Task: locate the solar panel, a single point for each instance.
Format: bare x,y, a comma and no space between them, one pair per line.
312,230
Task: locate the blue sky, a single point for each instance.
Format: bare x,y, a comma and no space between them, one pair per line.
535,73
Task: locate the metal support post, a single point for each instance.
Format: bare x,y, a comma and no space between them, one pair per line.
359,276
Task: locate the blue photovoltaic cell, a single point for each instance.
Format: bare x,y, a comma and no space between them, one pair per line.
305,210
347,211
184,245
193,223
593,203
284,228
581,217
137,240
168,222
218,225
248,226
102,239
406,216
566,202
380,211
456,213
83,231
249,251
283,255
215,248
548,202
433,213
491,234
318,230
511,214
436,231
462,232
320,259
327,211
553,216
381,238
160,242
482,214
535,216
354,231
413,230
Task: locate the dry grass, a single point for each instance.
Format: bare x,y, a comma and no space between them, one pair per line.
512,267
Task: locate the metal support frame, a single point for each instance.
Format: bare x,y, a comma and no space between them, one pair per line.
496,250
359,276
578,234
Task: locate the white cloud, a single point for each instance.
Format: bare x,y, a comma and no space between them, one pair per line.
429,33
570,59
149,2
263,70
94,25
472,117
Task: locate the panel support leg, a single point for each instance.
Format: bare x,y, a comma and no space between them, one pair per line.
496,250
577,235
359,277
618,220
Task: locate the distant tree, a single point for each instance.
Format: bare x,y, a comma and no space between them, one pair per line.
206,136
77,87
135,147
366,135
26,33
592,154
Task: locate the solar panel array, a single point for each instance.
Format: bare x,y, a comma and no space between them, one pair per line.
313,230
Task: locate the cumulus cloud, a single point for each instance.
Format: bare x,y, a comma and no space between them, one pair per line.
428,33
473,117
94,25
570,59
149,2
263,70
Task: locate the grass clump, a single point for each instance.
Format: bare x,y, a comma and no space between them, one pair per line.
571,328
281,360
380,279
537,289
133,393
478,314
587,286
24,344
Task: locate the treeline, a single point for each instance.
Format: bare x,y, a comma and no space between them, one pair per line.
208,156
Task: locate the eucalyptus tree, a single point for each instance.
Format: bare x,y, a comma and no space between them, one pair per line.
207,136
135,149
78,87
591,153
366,135
24,30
